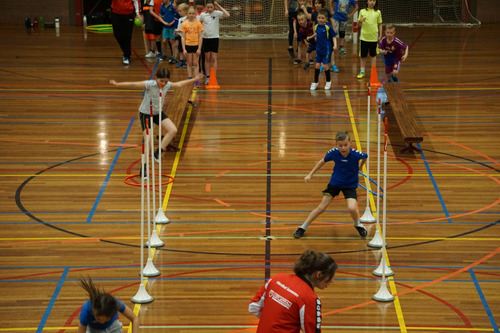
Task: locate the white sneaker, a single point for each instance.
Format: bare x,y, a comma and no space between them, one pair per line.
328,85
314,85
151,54
126,61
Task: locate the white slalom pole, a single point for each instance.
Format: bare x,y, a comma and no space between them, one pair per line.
377,238
383,295
367,216
150,269
160,216
142,295
154,239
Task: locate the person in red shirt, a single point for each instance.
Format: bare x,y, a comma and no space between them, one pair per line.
287,303
123,13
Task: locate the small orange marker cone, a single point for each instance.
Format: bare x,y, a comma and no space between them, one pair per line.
374,83
212,81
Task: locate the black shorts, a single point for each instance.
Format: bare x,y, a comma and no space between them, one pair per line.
191,48
157,28
349,193
368,46
156,119
211,45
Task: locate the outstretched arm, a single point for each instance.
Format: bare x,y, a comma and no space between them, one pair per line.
318,166
128,85
134,320
179,84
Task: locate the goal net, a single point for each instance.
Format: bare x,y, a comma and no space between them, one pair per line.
266,18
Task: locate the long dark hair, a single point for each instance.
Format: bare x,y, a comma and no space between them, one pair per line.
311,262
102,303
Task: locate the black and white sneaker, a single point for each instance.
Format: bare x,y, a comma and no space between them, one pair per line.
299,232
145,176
156,156
290,52
361,230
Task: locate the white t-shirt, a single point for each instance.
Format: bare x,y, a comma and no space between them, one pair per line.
152,93
211,23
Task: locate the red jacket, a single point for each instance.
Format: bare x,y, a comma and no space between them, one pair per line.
125,7
287,303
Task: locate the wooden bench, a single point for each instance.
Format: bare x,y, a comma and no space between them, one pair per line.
408,127
177,106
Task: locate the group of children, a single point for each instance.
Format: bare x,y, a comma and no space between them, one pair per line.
317,31
190,32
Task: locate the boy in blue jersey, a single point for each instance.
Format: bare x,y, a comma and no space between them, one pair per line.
324,34
344,179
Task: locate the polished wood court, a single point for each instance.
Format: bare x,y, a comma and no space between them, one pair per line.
69,140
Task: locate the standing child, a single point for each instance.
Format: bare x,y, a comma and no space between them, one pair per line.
100,313
324,34
149,36
167,17
291,14
321,5
344,179
303,6
342,12
287,302
183,9
305,38
192,38
370,22
123,13
151,94
199,6
154,8
394,51
210,19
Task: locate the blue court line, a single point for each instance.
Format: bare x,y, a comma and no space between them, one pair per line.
483,300
52,300
436,188
110,171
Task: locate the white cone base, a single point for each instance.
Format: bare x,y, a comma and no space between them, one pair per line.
383,266
150,269
383,295
160,217
155,240
376,240
367,216
142,296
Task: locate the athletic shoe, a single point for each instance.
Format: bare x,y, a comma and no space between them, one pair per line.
342,50
159,55
151,54
207,79
145,176
314,85
361,230
361,75
311,62
299,232
197,84
126,61
180,64
306,66
290,52
335,68
328,85
297,61
156,156
185,64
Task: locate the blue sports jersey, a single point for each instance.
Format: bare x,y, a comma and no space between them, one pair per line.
342,8
167,13
87,316
324,33
345,170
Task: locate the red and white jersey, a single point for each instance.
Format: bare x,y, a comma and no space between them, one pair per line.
287,303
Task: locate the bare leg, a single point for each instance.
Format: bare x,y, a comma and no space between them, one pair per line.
170,132
325,201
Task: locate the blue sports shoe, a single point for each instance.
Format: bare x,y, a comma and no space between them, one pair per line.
335,68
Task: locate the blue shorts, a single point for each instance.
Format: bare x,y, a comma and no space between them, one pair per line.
168,33
323,58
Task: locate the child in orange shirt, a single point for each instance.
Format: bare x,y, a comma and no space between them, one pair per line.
192,38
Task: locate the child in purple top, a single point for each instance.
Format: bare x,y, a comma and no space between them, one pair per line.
344,179
394,51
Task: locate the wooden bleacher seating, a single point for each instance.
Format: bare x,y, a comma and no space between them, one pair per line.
408,127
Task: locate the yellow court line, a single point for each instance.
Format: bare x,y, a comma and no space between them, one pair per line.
397,305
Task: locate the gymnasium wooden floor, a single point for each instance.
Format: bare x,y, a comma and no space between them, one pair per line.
69,140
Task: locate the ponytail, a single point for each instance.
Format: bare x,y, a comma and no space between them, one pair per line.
102,303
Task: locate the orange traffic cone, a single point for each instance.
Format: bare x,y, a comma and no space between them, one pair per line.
212,81
374,83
